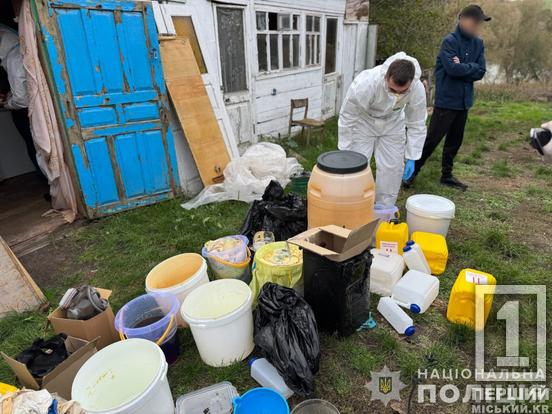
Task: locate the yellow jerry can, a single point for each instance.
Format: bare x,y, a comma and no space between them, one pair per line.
391,237
461,306
435,250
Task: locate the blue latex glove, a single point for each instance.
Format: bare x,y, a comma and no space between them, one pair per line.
409,169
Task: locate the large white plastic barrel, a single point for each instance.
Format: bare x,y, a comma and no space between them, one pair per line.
178,275
429,213
127,377
221,320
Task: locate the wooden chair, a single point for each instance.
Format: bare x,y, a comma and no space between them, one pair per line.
308,123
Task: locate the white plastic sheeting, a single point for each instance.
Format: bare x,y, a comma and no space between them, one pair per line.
246,178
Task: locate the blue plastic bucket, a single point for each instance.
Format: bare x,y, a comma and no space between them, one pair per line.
261,401
152,317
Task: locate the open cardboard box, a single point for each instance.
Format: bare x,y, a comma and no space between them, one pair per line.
60,379
102,325
336,243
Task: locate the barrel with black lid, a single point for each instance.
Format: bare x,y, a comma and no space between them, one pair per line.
341,190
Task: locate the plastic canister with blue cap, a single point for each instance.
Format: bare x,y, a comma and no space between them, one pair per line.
415,259
396,316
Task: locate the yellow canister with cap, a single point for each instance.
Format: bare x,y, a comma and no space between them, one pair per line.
463,297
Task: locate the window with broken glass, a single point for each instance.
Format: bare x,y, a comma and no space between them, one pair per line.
278,41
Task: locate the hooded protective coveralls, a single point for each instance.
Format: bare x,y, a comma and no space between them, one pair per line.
375,121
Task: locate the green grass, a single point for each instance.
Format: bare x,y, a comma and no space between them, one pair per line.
502,226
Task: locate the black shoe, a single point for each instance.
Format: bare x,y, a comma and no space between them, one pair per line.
453,182
408,183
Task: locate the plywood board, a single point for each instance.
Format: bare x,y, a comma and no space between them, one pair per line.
193,109
18,291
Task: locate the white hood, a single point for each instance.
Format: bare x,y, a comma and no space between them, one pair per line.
402,55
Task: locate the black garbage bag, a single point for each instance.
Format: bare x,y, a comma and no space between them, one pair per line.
44,355
285,215
286,332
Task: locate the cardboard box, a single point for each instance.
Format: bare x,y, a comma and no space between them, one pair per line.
336,243
336,274
61,378
101,325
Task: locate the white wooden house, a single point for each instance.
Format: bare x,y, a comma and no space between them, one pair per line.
257,55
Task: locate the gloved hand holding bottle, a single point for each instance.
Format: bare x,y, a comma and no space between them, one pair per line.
409,169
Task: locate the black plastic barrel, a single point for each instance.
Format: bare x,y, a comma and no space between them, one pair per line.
338,292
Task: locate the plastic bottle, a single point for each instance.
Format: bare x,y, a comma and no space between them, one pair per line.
397,317
415,259
414,245
267,375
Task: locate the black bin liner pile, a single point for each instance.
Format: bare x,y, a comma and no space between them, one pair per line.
44,355
285,215
286,332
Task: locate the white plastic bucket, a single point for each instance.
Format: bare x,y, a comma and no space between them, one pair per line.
221,319
429,213
178,275
127,377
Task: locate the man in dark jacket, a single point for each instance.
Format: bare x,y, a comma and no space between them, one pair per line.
461,62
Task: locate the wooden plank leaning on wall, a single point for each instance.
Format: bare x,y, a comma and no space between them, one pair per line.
193,109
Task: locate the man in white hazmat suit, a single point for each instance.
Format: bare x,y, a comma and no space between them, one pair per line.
384,115
17,99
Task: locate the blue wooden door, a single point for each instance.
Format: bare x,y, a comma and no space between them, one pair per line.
105,60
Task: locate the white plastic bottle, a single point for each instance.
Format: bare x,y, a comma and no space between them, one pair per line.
397,317
415,259
414,246
267,375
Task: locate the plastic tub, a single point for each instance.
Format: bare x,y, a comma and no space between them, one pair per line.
315,407
215,399
261,401
153,317
237,253
178,275
221,319
128,377
232,263
429,213
341,191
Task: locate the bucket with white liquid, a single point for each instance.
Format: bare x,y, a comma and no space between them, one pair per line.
127,377
221,320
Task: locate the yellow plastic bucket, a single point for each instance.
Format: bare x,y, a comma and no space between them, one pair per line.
267,266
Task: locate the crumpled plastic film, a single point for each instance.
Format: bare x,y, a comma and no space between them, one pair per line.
246,178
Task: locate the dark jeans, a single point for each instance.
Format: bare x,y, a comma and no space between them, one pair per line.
22,123
443,122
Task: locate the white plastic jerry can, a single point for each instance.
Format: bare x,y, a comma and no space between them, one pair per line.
396,317
385,271
415,259
416,291
268,376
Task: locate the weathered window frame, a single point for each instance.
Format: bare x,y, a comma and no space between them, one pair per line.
293,31
314,37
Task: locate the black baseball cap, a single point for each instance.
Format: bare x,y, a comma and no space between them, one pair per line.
475,12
